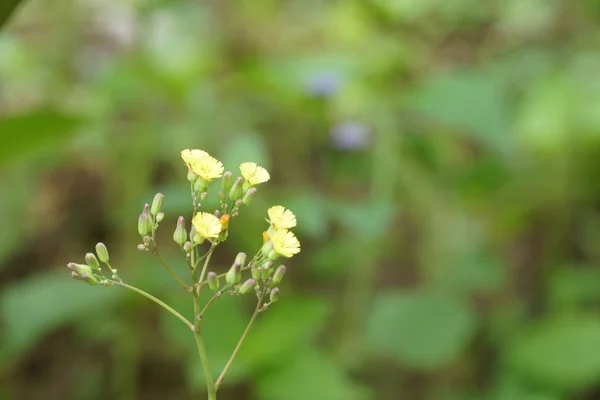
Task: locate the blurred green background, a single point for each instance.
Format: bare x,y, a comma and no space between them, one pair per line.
442,158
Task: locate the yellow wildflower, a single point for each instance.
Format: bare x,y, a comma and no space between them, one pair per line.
207,225
254,173
207,168
285,243
281,218
189,155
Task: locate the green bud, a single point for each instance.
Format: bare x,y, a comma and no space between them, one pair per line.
221,195
204,196
274,296
200,186
240,259
191,176
92,261
146,209
278,275
195,237
187,247
76,276
157,203
141,247
144,225
80,269
160,216
246,186
234,274
249,196
102,252
147,240
255,273
213,281
90,279
227,181
180,234
247,286
273,255
237,191
266,248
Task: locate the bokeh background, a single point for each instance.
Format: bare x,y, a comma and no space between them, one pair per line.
442,157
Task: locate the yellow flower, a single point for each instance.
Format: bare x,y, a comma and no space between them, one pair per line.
285,243
207,225
281,218
189,155
207,168
254,173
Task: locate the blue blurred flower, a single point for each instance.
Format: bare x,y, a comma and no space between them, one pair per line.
351,135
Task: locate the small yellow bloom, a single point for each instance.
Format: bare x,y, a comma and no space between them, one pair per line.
281,218
285,243
207,168
189,155
254,173
207,225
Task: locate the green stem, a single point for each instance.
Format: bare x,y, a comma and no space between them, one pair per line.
239,343
157,301
169,270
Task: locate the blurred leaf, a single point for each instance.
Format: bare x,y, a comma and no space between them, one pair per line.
310,209
467,100
311,375
334,258
574,286
421,329
245,147
35,306
560,352
510,388
285,331
367,220
37,131
473,272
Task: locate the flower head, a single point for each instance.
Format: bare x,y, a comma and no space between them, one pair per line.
189,155
285,243
254,173
207,225
207,168
281,218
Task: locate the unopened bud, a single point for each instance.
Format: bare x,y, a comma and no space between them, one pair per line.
102,252
146,209
278,275
240,259
247,286
200,186
76,276
160,216
249,196
81,269
267,247
144,225
237,191
90,279
266,269
213,281
273,255
180,234
92,261
274,296
191,176
221,195
141,247
217,214
234,274
203,196
255,273
238,203
157,203
147,240
187,247
227,181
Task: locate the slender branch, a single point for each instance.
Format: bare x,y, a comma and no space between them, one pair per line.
208,255
239,343
157,301
169,270
208,304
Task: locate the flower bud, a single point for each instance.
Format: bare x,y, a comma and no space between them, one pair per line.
147,240
221,195
102,252
76,276
273,255
92,261
187,247
160,216
80,269
146,209
237,191
247,286
203,196
266,248
238,203
213,281
90,279
217,214
240,259
255,273
278,275
191,176
180,234
227,181
200,186
266,269
195,237
144,225
141,247
249,196
274,296
234,274
157,203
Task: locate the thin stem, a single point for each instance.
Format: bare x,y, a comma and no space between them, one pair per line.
200,284
157,301
209,302
169,270
205,266
239,343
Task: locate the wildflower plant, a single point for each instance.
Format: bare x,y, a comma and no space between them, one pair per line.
199,241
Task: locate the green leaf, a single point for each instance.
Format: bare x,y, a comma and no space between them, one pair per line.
421,329
310,209
245,147
367,220
35,306
561,352
37,131
311,375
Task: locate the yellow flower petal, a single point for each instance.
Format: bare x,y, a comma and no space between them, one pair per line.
285,243
254,173
207,168
207,225
189,155
281,218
